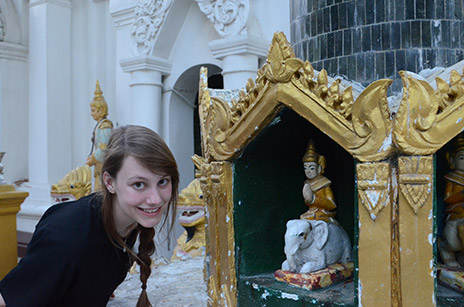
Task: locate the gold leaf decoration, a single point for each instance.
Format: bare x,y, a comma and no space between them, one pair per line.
281,62
415,179
216,184
374,186
428,119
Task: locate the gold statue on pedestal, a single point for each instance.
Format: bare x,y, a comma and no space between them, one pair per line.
453,232
451,246
317,193
101,134
192,242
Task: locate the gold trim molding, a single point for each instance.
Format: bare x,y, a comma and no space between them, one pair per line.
415,179
216,184
427,119
374,185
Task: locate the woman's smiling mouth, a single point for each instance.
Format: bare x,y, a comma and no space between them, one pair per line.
151,211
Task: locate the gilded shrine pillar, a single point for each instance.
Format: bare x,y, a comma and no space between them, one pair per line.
376,205
216,181
415,228
10,202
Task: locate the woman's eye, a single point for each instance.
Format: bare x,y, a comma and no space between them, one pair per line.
139,185
163,182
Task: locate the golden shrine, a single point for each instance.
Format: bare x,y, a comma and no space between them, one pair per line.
385,171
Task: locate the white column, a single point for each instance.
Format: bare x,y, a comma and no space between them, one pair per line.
240,56
49,104
146,89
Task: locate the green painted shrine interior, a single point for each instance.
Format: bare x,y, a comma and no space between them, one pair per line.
268,180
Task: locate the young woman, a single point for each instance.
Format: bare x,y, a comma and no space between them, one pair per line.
81,251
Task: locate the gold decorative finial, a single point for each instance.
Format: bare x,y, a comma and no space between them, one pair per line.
98,92
99,101
311,155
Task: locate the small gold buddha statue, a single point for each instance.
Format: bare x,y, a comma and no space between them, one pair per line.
101,134
317,193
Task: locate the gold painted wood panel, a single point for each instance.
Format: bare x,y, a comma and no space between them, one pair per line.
216,184
416,230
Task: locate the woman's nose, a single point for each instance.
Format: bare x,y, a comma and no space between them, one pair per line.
153,197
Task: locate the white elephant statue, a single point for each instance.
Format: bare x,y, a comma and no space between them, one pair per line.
312,245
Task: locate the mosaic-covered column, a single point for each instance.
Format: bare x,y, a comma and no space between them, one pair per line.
367,40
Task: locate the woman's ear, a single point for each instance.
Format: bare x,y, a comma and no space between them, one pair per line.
108,182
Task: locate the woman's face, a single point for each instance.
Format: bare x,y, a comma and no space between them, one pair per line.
140,196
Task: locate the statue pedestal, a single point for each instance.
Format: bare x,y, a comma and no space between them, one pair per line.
451,278
10,201
319,279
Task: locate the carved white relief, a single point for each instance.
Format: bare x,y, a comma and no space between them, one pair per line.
10,27
228,16
149,15
2,29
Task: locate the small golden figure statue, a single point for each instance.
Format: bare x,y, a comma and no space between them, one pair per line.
317,193
453,232
192,242
101,134
317,249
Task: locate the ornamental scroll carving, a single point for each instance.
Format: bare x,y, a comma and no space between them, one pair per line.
228,16
415,179
149,16
374,186
216,182
428,118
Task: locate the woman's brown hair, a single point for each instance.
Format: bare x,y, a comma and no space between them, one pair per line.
152,152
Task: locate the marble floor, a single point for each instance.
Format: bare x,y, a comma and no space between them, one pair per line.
175,284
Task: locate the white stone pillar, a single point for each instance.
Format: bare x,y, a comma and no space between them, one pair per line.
146,89
240,56
49,104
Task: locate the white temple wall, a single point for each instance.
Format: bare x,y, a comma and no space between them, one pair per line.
13,91
93,58
177,113
14,116
45,100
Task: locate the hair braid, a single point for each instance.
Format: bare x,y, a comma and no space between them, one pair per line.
146,249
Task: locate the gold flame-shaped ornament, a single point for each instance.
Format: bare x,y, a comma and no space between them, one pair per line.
415,179
374,186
